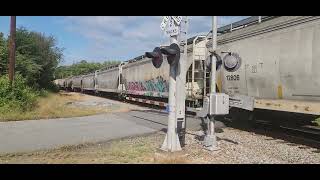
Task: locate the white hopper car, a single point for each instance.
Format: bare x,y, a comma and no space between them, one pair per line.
271,64
138,80
275,62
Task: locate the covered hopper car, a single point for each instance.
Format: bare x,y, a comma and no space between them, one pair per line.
275,63
269,64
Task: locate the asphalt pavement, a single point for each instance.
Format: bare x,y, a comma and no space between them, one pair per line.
32,135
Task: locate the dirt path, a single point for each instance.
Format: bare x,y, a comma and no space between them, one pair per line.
108,105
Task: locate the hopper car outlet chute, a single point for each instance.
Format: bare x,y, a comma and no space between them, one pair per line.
273,64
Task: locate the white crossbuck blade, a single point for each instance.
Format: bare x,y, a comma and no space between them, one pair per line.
168,25
164,22
177,19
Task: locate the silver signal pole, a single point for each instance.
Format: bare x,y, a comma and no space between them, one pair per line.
213,79
214,60
210,139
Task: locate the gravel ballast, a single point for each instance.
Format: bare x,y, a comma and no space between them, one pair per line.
235,147
242,147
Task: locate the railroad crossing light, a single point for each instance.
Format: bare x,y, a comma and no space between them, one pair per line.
156,56
173,53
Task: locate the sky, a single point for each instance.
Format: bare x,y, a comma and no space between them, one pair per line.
103,38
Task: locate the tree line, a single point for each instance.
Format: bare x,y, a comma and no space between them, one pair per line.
38,58
37,65
81,68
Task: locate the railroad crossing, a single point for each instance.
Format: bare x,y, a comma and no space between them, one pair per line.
242,79
176,27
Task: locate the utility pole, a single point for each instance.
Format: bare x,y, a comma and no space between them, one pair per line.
12,48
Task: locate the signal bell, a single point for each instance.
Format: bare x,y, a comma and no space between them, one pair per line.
173,53
156,56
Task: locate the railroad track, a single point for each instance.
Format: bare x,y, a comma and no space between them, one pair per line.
305,132
282,125
307,135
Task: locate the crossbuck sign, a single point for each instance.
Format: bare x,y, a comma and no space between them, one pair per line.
171,25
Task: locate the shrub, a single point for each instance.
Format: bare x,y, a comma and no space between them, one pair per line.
52,87
18,96
317,121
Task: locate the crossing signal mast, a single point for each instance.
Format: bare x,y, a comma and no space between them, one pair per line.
176,28
176,54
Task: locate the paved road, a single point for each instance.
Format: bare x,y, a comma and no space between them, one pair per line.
32,135
23,136
156,119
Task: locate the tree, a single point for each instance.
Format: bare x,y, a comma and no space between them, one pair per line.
37,57
81,68
3,54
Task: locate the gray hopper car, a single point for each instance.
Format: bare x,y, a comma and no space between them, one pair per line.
108,80
68,83
76,83
59,82
277,62
88,82
268,65
141,78
138,77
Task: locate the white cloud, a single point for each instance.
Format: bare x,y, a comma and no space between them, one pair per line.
125,37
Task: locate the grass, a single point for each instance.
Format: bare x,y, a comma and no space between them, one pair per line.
317,121
134,150
174,158
128,150
54,105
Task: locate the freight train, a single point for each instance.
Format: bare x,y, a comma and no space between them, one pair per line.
268,63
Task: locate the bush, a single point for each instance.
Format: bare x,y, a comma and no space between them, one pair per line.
18,96
317,121
52,87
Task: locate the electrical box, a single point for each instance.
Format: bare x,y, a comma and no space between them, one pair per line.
219,104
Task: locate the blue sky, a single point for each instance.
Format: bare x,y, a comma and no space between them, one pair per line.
101,38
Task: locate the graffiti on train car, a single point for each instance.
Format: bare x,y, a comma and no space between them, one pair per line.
158,85
150,87
136,86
